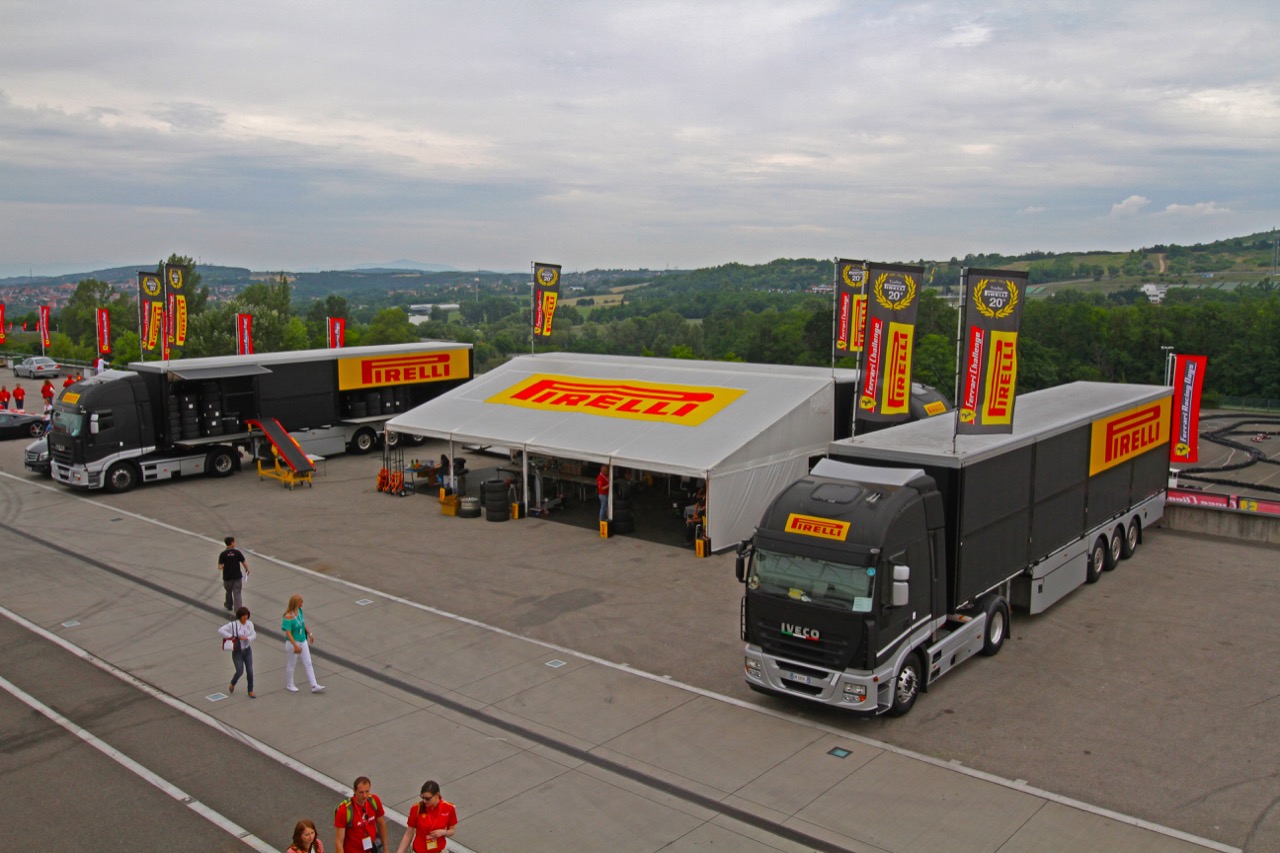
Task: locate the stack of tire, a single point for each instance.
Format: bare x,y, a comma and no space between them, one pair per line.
496,500
624,514
184,416
398,399
210,409
469,508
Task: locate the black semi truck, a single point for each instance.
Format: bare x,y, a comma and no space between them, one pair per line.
900,555
161,420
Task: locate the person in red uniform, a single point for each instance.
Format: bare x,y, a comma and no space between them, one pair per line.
602,489
360,821
19,398
69,381
47,391
431,821
4,396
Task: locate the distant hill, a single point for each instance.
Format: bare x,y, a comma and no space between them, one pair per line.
406,265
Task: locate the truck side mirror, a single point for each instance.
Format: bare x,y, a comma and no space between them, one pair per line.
740,568
901,575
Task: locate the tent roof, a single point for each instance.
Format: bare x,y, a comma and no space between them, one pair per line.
767,395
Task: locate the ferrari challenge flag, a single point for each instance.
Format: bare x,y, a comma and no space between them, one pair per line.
2,337
104,332
175,280
244,334
336,332
989,362
546,291
893,297
44,325
851,306
150,310
1188,378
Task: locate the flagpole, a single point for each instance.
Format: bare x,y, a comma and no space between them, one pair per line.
533,308
955,391
835,296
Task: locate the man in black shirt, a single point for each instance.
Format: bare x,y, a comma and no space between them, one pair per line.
234,570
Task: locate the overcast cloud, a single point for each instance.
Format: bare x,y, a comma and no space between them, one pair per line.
317,134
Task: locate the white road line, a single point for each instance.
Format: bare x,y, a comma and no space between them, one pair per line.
1017,785
216,818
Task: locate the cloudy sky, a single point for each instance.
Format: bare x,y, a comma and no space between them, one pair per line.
302,134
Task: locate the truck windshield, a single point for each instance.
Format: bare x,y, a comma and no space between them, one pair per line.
69,422
818,581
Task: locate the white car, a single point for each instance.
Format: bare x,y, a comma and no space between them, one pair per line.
36,367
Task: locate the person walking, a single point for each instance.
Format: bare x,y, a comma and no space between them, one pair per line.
47,391
234,570
240,632
360,823
19,398
602,489
431,821
305,838
297,644
4,396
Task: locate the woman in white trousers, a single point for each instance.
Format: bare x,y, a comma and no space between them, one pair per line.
297,644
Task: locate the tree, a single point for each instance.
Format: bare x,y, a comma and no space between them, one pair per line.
390,326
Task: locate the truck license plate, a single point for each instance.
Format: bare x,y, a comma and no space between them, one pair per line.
797,677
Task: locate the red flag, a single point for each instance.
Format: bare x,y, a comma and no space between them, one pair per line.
2,339
104,332
244,334
337,331
1188,378
44,325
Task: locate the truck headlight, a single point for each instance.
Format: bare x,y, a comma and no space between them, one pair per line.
855,692
752,668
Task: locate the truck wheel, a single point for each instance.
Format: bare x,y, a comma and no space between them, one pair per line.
221,463
997,611
1097,559
1132,534
1115,546
121,477
906,687
390,439
363,441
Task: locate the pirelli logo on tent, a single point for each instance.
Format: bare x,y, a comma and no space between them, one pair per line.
686,405
374,371
812,525
1128,434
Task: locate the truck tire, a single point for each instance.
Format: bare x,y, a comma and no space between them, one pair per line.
120,477
390,439
1132,536
363,441
1115,549
997,610
221,463
906,686
1097,560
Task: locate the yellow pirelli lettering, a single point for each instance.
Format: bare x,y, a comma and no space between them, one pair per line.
1130,433
408,369
812,525
687,405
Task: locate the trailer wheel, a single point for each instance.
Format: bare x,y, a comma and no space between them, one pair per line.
1132,535
906,687
221,463
363,441
121,477
997,611
1097,560
390,439
1115,548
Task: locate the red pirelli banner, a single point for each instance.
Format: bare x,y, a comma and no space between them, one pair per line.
989,364
893,297
175,282
851,306
1188,379
104,332
244,334
546,292
335,332
2,335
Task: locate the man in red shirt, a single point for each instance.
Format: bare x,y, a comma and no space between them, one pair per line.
19,398
431,821
360,823
602,489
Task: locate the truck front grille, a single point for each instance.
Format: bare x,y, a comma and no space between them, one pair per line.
826,653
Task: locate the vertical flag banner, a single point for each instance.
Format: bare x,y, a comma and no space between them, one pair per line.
989,364
546,292
337,331
244,334
175,279
893,297
851,306
44,325
104,332
1188,379
2,337
150,310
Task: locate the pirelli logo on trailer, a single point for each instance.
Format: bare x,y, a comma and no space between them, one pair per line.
1130,433
373,371
812,525
686,405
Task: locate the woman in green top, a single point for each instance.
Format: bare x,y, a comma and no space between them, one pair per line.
297,644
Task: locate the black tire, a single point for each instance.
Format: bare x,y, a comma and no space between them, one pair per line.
221,463
363,441
1115,549
997,610
390,439
497,515
1097,560
416,440
622,526
120,477
469,513
35,429
906,686
1132,537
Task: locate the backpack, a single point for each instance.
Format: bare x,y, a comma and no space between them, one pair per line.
349,805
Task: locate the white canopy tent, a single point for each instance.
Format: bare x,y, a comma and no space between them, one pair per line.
758,425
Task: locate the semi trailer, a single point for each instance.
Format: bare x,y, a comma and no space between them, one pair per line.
900,555
162,420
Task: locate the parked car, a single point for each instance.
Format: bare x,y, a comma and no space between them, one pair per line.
37,367
37,457
20,425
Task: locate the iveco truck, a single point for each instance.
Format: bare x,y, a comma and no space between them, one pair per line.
900,555
160,420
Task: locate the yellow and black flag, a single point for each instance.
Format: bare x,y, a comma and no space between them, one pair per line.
851,306
546,292
150,310
989,363
893,298
175,280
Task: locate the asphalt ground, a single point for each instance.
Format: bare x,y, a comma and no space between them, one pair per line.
1151,693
